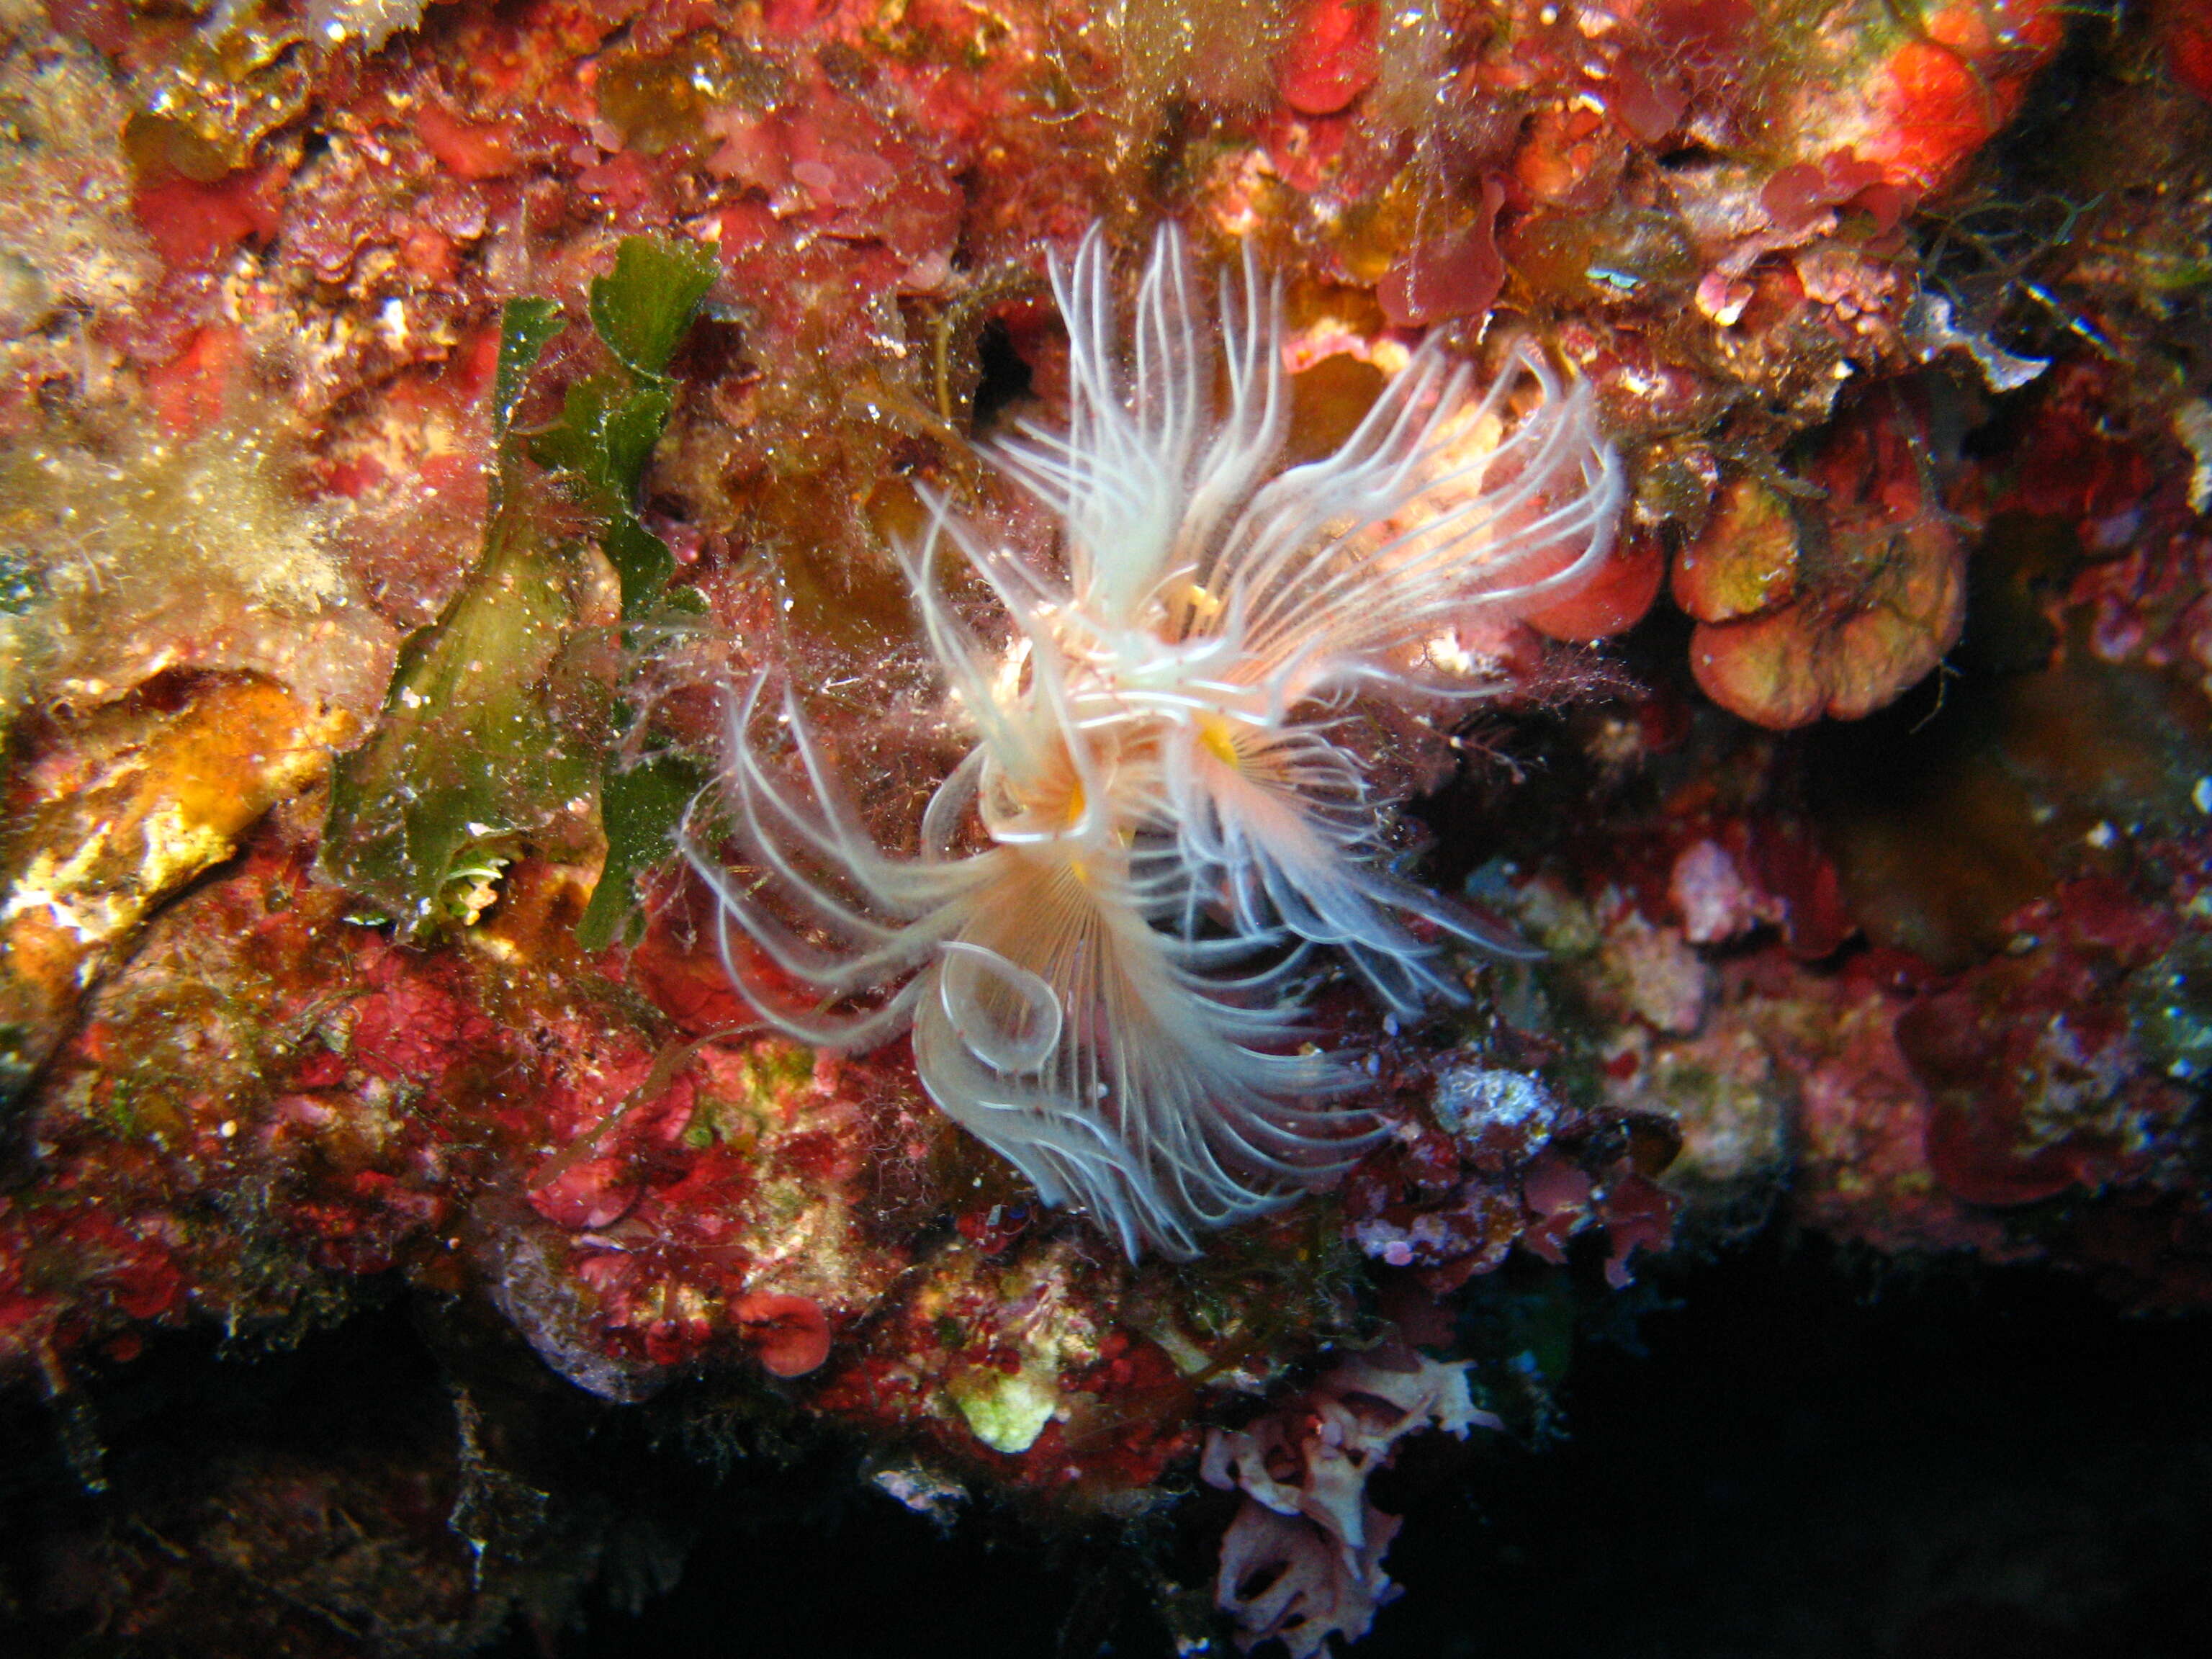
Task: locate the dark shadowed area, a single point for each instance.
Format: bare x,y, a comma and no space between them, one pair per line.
1808,1456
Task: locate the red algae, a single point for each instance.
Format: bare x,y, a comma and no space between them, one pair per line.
1833,612
791,1333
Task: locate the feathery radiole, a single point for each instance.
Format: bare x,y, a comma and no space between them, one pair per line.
1110,992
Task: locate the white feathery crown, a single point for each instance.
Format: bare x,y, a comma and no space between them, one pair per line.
1110,992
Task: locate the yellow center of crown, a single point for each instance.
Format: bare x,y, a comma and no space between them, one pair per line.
1219,737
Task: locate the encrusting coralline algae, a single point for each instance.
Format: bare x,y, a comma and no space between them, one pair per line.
1103,946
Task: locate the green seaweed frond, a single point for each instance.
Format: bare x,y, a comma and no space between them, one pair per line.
500,723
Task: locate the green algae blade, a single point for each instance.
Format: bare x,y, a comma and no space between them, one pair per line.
470,757
640,809
603,441
643,306
526,327
494,733
609,422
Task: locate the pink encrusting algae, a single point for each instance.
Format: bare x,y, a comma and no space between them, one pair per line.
1103,947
